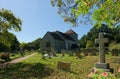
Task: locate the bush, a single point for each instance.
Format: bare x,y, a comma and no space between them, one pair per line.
5,56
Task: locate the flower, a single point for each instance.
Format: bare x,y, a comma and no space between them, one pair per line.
104,74
101,74
95,70
119,70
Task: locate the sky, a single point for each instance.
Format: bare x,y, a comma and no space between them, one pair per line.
38,17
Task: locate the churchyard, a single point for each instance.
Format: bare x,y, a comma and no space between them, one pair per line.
37,68
71,64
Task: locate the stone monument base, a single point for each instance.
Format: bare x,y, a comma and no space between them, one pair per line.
104,66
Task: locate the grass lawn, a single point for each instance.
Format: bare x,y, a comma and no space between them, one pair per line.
37,68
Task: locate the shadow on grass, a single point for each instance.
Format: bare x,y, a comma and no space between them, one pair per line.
25,71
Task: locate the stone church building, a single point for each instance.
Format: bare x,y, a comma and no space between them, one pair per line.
58,41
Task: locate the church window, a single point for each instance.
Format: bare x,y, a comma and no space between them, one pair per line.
47,44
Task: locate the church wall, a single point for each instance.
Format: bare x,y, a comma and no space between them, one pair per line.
74,36
59,45
68,44
47,39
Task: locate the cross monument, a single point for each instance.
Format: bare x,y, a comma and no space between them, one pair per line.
101,42
102,65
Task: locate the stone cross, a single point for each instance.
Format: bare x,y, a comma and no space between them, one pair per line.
101,42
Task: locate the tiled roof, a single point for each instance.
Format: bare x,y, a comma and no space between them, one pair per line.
61,36
55,36
70,32
65,36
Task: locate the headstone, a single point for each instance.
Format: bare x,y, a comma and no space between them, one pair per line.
77,53
70,52
21,51
48,52
64,65
42,53
102,65
85,52
63,52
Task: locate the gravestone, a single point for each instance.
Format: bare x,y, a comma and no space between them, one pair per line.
70,52
64,65
63,52
77,53
102,65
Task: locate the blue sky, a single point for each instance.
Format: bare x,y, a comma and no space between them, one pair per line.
38,17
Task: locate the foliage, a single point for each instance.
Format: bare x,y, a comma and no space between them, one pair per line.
111,34
95,11
100,74
115,46
8,42
34,45
89,44
8,21
23,45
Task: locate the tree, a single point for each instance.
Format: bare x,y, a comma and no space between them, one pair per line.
8,22
112,34
34,45
94,11
23,45
89,44
15,45
8,42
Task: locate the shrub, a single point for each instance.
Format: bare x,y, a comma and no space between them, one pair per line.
5,56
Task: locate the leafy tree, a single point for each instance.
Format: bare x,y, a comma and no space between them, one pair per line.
15,45
89,44
9,42
111,34
34,45
117,34
83,41
95,11
23,45
8,22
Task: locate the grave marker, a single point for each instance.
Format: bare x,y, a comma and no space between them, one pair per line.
102,65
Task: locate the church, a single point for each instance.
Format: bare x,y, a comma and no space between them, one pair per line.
58,41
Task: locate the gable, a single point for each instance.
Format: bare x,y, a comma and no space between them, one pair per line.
47,36
70,32
65,36
55,36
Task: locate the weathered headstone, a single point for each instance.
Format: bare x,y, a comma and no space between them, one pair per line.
105,66
70,52
77,53
63,52
64,65
53,53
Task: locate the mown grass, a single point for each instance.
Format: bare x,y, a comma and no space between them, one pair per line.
37,68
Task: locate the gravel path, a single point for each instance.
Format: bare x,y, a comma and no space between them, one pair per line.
16,60
21,59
